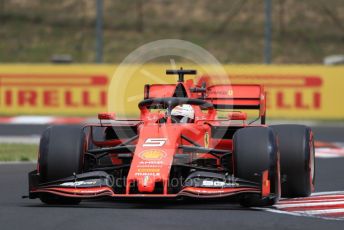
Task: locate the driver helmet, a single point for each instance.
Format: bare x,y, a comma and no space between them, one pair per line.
183,113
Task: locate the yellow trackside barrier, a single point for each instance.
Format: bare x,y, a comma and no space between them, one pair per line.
53,89
293,91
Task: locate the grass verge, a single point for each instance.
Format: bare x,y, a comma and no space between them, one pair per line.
18,152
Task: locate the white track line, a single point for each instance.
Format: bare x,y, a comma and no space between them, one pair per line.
317,204
321,212
327,156
32,120
327,193
20,139
307,201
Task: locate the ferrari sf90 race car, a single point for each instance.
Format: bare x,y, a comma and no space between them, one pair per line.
180,147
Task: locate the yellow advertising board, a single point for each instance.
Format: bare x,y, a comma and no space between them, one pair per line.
293,91
53,90
297,91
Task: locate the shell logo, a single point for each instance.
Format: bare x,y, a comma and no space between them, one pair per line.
152,154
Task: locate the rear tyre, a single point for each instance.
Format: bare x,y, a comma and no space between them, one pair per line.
255,150
296,147
61,154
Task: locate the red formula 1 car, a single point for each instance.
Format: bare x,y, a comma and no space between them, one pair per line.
178,148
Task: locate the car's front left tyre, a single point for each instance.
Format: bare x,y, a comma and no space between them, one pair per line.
255,151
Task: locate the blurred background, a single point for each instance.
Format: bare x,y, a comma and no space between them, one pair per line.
234,31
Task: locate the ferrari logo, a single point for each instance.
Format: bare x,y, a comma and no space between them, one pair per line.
206,140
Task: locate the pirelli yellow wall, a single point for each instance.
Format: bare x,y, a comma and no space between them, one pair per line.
293,91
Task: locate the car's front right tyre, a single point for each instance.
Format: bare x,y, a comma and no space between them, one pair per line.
61,154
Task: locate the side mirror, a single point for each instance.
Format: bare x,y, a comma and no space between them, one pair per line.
106,116
238,116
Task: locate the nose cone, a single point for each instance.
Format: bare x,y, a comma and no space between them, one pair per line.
150,166
153,159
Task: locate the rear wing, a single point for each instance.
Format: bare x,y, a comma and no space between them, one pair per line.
237,97
222,96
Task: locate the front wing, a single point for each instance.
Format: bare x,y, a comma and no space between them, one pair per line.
98,184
